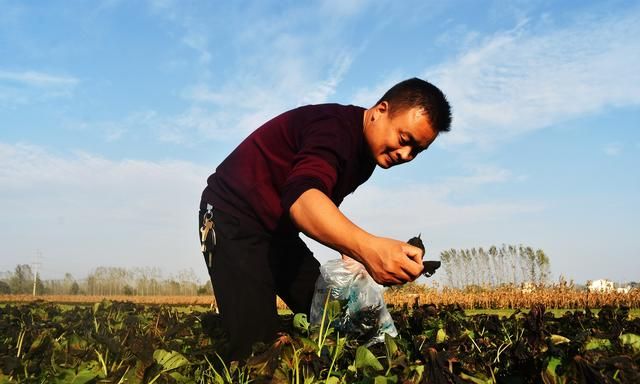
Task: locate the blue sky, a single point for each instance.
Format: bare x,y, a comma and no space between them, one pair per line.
113,113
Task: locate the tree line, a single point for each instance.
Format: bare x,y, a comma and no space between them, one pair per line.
485,268
496,266
103,281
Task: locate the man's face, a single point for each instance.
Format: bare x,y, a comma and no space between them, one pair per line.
398,139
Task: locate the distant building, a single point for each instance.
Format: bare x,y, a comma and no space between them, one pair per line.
624,289
601,285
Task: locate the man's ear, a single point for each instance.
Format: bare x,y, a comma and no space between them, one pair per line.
380,109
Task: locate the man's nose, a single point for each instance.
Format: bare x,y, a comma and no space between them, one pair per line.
404,154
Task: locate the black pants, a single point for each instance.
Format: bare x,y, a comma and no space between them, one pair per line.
249,268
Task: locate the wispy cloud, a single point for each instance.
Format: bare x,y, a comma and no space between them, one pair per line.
37,79
196,123
524,79
143,122
135,212
22,87
613,149
197,29
288,58
367,96
436,210
127,212
435,200
482,174
339,8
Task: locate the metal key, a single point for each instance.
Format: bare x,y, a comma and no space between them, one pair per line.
206,227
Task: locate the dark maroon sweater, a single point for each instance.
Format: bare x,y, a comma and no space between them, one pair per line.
315,146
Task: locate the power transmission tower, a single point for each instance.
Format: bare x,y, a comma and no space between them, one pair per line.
36,264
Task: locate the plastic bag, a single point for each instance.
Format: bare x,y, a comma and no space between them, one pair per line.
364,315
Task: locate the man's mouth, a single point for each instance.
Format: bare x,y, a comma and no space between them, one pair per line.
390,161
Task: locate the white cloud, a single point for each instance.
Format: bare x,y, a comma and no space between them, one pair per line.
199,41
483,174
38,79
23,87
613,149
194,124
279,59
434,210
202,93
195,33
522,80
141,122
428,207
87,211
341,8
369,95
84,211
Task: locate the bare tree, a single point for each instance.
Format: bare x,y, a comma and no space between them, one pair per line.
509,264
542,261
22,279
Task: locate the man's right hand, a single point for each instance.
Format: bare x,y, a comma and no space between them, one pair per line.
388,261
392,262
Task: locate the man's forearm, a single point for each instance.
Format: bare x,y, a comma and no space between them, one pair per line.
388,261
319,218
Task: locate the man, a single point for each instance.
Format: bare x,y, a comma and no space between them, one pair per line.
290,176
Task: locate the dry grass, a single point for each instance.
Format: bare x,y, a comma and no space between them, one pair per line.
207,301
552,298
82,299
516,298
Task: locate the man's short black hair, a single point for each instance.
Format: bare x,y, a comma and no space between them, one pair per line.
416,92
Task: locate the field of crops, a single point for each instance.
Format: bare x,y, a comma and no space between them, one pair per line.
507,298
118,342
510,298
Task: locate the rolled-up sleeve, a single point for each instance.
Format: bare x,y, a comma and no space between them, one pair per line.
321,157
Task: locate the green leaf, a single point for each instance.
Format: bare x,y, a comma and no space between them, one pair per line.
419,370
134,374
553,364
76,343
308,345
390,345
385,379
474,379
41,341
300,322
178,377
441,336
549,375
85,373
333,309
169,360
365,358
332,380
594,343
632,340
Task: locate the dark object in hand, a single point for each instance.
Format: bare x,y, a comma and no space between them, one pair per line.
429,266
